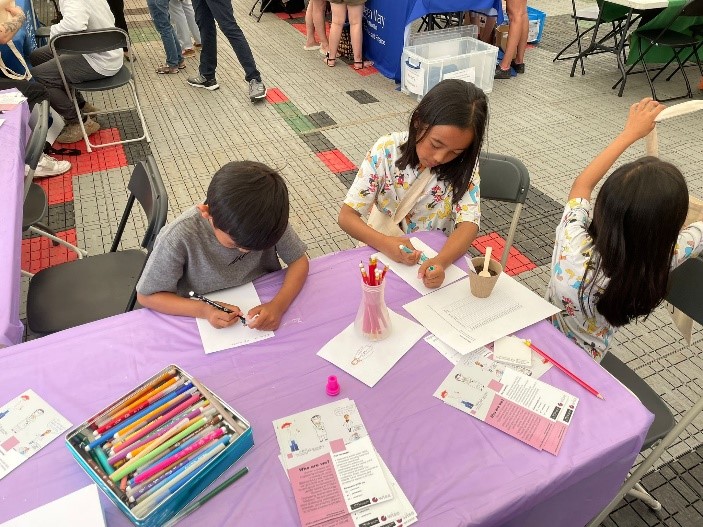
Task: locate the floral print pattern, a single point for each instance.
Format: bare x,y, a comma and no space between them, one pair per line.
572,252
379,181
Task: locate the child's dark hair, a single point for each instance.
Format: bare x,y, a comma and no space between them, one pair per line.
249,201
451,102
636,221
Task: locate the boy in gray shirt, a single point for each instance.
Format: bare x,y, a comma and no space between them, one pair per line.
236,236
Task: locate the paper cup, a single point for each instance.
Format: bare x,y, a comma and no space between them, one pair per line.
482,286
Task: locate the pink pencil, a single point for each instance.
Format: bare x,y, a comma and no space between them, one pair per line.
563,369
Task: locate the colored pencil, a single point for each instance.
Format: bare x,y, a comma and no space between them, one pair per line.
565,370
209,396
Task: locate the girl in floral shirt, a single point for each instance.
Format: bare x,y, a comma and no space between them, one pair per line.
445,135
614,268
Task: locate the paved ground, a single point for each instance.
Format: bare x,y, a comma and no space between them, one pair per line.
316,126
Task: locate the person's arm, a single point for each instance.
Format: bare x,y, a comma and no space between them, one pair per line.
12,25
172,304
267,317
456,245
350,221
75,18
639,123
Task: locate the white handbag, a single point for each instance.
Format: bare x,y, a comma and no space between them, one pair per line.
381,222
4,16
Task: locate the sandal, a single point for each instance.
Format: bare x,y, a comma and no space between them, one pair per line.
168,70
360,65
330,62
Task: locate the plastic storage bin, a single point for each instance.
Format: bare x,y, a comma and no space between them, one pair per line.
450,33
537,19
424,65
203,476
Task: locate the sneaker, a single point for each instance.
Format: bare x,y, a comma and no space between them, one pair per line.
48,166
190,52
519,68
502,74
202,82
257,90
72,132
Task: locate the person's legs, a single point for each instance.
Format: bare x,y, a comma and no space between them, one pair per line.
309,28
208,37
75,68
339,16
224,14
179,23
162,21
117,8
190,20
522,43
517,12
34,91
318,18
356,13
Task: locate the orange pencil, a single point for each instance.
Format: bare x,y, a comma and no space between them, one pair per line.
563,369
372,271
383,274
364,276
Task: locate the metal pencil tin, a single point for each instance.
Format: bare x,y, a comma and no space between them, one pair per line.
197,481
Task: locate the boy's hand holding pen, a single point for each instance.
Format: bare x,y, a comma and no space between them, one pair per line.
219,314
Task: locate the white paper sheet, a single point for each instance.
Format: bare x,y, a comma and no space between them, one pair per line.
245,297
466,323
80,508
2,121
538,368
409,272
27,424
369,361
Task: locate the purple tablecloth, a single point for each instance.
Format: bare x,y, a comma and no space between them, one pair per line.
455,470
14,133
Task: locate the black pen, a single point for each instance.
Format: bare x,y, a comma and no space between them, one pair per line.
214,304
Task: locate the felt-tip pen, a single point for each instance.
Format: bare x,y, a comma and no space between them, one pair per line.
214,304
408,250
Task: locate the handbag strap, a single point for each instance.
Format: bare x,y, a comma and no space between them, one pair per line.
412,196
11,74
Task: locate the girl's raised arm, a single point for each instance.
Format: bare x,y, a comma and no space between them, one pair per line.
639,123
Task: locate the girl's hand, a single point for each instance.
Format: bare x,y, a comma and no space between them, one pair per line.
266,317
391,248
432,273
641,119
219,319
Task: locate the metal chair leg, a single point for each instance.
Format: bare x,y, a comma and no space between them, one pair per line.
639,492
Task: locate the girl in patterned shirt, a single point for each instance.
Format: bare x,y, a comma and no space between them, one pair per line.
445,135
614,268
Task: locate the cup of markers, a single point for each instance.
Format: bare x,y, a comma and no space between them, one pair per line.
159,446
372,319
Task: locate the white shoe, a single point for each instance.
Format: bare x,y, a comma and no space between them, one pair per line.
48,166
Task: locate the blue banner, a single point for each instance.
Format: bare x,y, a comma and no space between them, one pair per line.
385,22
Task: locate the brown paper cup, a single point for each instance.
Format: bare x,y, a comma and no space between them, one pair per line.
481,286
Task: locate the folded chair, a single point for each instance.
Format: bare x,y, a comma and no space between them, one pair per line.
81,291
36,203
97,41
506,179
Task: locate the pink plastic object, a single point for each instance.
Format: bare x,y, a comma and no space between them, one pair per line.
332,386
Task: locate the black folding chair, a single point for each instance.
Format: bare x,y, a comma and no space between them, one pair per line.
675,40
82,291
97,41
506,179
36,203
